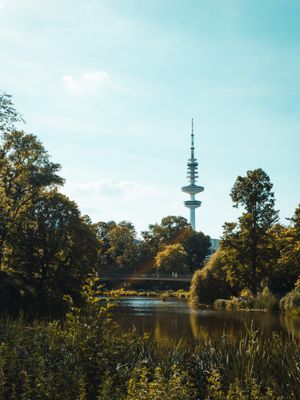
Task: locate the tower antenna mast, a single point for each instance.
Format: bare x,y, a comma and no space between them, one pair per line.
192,189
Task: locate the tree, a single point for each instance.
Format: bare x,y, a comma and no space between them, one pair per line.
233,258
46,247
173,258
246,241
53,247
171,230
286,246
119,247
105,260
8,114
197,247
209,283
25,171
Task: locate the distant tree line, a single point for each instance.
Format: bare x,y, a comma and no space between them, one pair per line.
171,246
47,248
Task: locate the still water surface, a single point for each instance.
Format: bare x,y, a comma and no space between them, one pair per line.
175,319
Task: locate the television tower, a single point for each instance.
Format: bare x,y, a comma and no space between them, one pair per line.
192,189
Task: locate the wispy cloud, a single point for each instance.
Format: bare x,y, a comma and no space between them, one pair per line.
108,188
119,200
85,82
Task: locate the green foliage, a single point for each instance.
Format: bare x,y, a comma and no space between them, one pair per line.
238,390
46,247
172,258
257,250
177,294
221,304
119,249
87,357
278,251
265,300
8,114
146,386
123,246
173,230
290,303
197,247
25,172
54,248
245,243
209,283
286,240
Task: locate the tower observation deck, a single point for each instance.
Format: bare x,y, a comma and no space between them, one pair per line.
192,189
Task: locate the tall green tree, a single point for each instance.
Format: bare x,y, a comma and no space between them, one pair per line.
197,246
105,260
119,247
173,258
25,171
174,230
246,241
53,247
286,266
8,114
171,230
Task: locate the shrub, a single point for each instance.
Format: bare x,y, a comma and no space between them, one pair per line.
220,304
290,303
146,386
239,303
266,300
247,389
209,283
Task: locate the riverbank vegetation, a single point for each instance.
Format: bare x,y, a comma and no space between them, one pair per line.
87,357
258,261
164,294
290,303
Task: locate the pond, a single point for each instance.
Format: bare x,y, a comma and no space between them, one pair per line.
174,320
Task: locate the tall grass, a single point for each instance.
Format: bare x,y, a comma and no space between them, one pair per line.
87,357
63,361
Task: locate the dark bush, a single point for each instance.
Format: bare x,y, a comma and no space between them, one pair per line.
209,283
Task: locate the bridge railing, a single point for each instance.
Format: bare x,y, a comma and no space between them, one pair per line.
155,276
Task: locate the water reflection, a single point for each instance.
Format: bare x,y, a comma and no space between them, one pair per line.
175,319
291,325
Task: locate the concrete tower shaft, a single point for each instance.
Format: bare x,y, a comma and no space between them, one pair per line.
192,189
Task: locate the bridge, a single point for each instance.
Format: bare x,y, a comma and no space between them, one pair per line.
173,277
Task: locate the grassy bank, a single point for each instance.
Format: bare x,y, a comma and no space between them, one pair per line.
165,294
264,301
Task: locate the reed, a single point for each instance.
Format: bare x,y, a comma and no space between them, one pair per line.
73,359
88,357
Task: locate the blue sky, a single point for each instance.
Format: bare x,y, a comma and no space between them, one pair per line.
110,88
